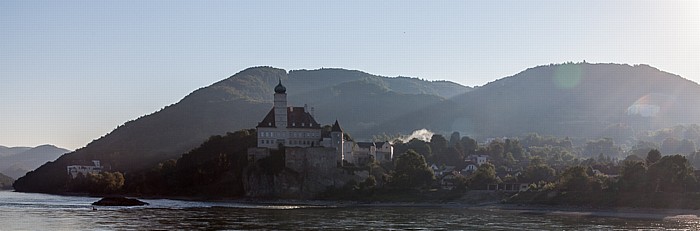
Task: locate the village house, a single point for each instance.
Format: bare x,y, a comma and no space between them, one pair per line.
75,170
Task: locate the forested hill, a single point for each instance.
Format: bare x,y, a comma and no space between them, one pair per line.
359,100
580,100
576,100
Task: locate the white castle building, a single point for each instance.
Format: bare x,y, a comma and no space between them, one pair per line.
294,127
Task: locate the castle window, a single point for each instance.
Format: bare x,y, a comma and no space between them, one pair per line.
294,124
302,124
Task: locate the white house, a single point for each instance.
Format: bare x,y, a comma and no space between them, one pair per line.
384,151
74,170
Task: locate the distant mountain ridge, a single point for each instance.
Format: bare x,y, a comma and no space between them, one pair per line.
577,100
7,151
21,160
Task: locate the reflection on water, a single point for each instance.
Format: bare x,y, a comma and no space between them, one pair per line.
19,211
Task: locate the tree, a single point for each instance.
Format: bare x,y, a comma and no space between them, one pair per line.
484,175
575,178
633,158
411,171
438,144
470,145
605,146
417,145
538,171
454,139
671,174
653,156
633,176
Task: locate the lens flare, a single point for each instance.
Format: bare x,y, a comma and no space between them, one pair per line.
649,105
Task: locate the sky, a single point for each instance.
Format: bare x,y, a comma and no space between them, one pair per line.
72,71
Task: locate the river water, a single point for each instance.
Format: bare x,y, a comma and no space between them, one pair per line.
27,211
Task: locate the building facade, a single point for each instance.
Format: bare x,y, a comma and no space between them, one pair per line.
294,127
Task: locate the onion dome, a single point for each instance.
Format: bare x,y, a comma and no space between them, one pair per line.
280,89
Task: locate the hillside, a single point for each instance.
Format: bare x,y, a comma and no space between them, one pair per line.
17,164
5,182
576,100
356,98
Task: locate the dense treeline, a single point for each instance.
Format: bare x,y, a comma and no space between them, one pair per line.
213,169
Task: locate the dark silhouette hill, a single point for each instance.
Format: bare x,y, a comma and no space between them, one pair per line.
19,163
357,98
576,100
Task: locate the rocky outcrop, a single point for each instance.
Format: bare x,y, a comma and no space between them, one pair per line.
294,185
119,201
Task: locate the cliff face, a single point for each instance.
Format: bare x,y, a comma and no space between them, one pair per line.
294,185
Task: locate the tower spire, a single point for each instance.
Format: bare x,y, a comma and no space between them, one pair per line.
280,88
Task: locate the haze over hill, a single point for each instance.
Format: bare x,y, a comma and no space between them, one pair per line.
17,161
578,100
7,151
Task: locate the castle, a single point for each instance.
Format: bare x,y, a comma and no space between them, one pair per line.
295,129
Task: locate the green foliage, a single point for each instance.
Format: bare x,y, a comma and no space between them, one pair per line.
671,174
214,168
653,156
470,145
538,171
576,178
605,146
484,175
633,177
419,146
411,171
101,183
674,146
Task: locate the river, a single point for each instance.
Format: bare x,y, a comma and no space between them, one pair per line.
29,211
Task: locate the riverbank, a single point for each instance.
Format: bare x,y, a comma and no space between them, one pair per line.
490,205
627,213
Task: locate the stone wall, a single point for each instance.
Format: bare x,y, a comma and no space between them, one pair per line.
313,159
255,154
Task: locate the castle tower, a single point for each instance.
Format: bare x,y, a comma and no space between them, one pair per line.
337,140
280,106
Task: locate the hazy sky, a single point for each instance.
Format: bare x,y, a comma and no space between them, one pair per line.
71,71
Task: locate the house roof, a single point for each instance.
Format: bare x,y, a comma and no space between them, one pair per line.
297,117
365,144
336,127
